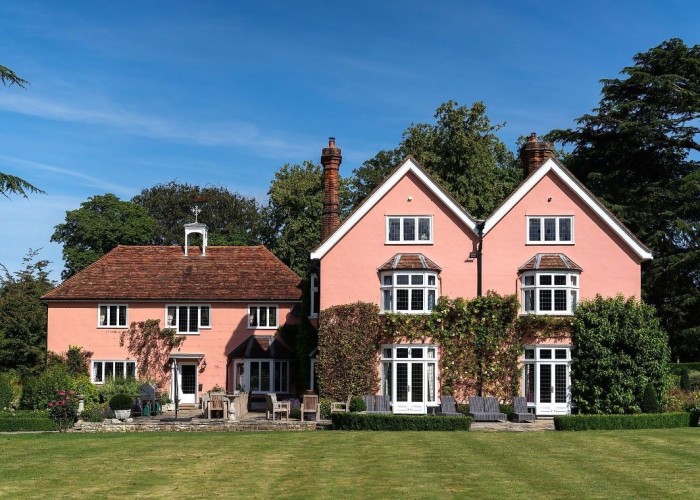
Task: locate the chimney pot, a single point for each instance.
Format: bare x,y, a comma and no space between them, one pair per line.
331,159
534,153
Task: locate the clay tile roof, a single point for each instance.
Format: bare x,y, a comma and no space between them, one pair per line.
554,261
262,347
165,273
409,261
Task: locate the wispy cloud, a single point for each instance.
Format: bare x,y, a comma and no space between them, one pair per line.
63,171
181,130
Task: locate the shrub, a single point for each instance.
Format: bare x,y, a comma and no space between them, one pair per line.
128,385
31,420
95,412
84,387
357,404
615,422
618,347
121,402
694,416
64,410
679,400
388,422
650,400
39,391
684,382
10,390
325,408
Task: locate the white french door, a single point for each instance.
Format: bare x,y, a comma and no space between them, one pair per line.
409,377
410,397
547,379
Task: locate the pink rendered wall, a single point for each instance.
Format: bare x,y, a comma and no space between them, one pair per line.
609,266
72,323
349,270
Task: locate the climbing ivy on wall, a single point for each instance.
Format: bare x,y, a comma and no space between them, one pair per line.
150,346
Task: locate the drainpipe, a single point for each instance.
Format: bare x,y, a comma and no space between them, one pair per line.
480,245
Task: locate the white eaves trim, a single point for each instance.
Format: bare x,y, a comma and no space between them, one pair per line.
589,200
409,165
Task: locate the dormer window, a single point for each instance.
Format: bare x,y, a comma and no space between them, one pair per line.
412,292
409,229
546,230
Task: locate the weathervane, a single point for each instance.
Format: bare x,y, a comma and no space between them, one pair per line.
197,208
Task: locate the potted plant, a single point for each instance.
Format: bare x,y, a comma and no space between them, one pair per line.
121,406
166,403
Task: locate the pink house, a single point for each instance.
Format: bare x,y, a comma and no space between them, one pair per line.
551,242
227,302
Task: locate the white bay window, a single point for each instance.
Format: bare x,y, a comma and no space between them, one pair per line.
409,291
550,292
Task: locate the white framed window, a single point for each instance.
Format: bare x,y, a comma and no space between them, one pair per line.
262,317
412,229
103,370
262,375
549,292
413,292
550,230
314,296
111,316
395,380
187,318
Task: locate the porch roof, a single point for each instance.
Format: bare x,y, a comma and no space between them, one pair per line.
262,347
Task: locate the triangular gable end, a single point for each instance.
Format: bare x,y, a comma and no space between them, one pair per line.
593,203
409,165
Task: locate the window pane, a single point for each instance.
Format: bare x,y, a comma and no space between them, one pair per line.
272,316
402,279
550,229
204,319
194,319
171,316
564,229
386,386
402,382
417,352
103,315
131,369
535,230
545,300
387,300
545,280
416,300
387,280
559,383
431,280
560,300
424,229
559,353
314,301
394,229
262,316
574,300
97,371
402,300
113,315
122,315
409,229
529,354
529,300
109,370
560,280
182,319
417,382
529,280
545,383
278,376
387,353
402,352
431,352
545,354
574,280
416,279
254,376
431,300
265,376
530,383
119,369
253,316
431,381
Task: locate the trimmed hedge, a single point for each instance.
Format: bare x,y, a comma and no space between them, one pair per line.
388,422
615,422
26,421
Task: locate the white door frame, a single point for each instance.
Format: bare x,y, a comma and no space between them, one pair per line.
184,398
552,368
417,398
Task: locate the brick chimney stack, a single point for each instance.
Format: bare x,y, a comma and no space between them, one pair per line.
534,153
330,159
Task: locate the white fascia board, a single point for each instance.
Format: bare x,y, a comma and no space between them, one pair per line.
590,201
408,166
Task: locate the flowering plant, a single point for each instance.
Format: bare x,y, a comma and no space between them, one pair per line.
64,410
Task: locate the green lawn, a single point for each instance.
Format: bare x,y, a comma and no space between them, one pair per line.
643,463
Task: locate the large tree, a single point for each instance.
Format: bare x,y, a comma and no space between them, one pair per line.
100,224
638,151
11,183
23,317
460,149
232,219
294,213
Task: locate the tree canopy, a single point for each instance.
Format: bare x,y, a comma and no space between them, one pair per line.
461,149
23,318
232,219
99,225
638,152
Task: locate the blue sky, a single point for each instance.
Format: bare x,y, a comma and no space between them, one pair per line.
125,95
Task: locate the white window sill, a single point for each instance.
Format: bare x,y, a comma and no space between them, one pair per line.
417,242
562,243
112,327
546,313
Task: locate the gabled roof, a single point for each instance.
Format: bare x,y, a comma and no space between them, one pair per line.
552,165
409,261
553,261
409,165
165,273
